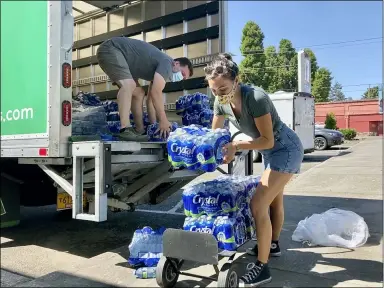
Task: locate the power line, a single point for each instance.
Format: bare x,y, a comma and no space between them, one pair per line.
263,51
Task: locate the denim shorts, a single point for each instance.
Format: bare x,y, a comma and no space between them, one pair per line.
287,153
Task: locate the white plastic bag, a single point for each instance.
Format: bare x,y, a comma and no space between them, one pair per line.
335,227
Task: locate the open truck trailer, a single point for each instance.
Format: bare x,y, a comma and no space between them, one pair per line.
48,53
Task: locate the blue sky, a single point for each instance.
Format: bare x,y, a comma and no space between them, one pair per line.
308,23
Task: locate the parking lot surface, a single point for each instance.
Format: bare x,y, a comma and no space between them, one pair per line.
49,249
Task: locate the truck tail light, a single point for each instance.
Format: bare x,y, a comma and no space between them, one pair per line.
66,113
43,152
67,75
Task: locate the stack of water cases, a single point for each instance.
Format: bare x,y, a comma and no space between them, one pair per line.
153,132
194,109
88,115
221,207
113,117
197,148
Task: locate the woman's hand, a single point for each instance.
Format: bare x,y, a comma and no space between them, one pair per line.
229,151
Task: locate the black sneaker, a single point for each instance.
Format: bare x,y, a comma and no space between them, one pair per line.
258,274
275,250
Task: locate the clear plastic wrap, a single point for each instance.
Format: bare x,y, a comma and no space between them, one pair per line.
335,227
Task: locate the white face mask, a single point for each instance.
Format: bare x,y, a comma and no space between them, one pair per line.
177,76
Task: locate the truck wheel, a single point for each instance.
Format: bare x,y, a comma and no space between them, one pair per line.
320,143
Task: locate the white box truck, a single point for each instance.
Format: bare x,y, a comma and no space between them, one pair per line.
42,67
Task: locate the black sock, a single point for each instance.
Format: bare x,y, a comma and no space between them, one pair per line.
122,130
261,264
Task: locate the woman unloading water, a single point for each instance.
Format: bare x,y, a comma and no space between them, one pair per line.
251,110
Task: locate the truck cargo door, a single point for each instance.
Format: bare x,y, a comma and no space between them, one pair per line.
304,120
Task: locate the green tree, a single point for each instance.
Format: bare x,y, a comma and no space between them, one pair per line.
287,62
371,93
314,66
322,85
270,75
336,93
252,66
330,121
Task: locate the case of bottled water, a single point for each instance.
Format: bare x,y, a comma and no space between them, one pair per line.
192,102
88,116
146,247
196,147
221,207
145,120
194,109
155,136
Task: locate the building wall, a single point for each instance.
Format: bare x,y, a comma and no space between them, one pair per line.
362,115
84,75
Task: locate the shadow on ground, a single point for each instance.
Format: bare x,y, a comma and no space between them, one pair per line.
324,156
43,228
55,279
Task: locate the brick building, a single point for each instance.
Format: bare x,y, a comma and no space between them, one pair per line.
362,115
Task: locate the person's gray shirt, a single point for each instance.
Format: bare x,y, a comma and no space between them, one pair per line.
144,59
255,103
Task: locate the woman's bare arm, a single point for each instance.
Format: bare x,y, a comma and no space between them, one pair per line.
266,139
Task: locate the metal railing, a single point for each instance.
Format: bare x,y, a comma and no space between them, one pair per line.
198,61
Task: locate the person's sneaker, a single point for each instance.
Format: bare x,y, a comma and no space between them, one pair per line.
258,274
130,134
274,252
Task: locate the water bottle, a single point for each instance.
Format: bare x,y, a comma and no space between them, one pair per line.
197,197
201,223
240,230
188,153
145,273
187,223
222,137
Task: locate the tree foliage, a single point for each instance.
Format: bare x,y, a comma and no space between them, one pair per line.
287,62
336,93
371,93
271,75
252,66
276,69
322,85
330,121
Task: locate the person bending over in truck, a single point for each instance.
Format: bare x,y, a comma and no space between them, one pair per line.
125,61
251,110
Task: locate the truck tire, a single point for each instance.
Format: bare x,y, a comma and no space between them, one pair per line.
10,202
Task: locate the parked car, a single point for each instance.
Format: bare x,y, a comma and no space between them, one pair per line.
326,138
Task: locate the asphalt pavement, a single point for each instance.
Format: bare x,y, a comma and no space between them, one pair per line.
49,249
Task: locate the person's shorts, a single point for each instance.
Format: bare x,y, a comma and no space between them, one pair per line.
113,62
287,154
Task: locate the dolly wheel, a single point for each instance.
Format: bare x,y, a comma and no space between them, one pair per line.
166,276
227,277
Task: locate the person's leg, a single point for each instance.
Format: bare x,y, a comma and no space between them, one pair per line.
137,107
276,214
271,184
124,99
113,63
